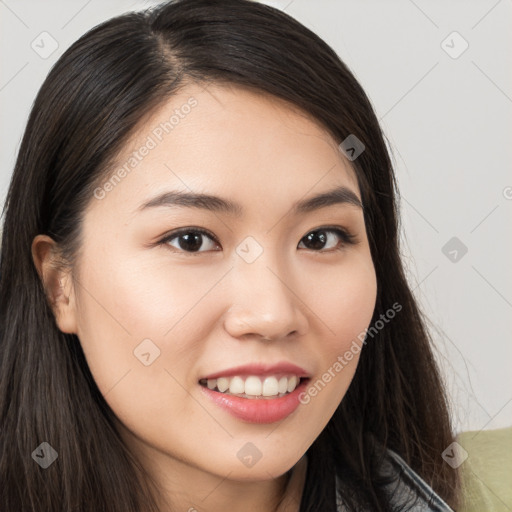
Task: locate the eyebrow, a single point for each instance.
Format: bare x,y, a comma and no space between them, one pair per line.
338,195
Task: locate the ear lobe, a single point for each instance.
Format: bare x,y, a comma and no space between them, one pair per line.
57,282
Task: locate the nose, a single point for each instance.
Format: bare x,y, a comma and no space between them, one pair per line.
265,300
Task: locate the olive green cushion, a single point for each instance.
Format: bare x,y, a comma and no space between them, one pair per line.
487,471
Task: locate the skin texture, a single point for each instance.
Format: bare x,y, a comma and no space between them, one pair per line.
209,310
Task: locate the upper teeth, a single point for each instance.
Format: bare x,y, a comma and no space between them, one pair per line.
254,385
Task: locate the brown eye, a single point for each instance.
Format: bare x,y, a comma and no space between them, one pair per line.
189,240
317,240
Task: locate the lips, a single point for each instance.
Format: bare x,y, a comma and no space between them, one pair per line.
259,410
260,369
257,393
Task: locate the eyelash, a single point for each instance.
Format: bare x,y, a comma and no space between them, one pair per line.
346,237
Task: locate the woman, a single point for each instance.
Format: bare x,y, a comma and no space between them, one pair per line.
202,301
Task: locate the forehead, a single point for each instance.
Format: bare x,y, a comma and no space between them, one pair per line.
225,138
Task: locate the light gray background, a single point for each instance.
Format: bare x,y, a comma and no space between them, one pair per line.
448,121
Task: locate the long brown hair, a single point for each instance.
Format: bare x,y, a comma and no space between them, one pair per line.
91,102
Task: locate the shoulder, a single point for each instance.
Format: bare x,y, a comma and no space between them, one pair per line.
407,490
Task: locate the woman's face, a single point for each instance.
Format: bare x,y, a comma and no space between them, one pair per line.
266,285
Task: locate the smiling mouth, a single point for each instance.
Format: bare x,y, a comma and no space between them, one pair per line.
253,386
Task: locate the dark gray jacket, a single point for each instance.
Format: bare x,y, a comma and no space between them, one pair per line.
409,492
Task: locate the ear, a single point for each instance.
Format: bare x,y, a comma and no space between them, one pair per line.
57,282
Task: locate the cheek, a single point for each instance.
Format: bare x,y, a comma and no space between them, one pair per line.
135,300
129,329
139,329
344,301
346,310
156,296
